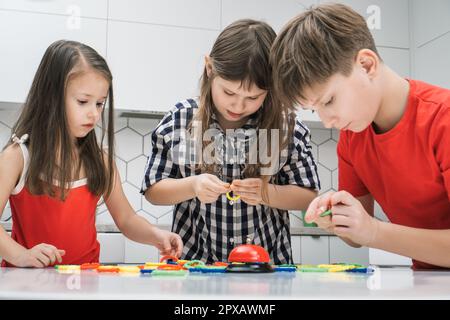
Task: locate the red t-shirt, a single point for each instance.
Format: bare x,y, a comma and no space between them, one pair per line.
407,169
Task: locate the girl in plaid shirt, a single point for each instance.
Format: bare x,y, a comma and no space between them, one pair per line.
213,146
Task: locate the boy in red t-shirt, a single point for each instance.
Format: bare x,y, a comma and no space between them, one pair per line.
394,142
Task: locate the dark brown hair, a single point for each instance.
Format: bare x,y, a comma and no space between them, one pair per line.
241,53
315,45
44,119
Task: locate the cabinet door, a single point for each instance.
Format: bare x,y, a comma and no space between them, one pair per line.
112,247
314,250
156,66
340,252
24,38
381,257
140,253
296,249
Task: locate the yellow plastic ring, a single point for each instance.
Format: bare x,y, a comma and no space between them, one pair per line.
232,198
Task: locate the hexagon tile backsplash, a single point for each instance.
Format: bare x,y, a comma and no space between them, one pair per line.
133,147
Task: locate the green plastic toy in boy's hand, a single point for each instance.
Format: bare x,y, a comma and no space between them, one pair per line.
326,213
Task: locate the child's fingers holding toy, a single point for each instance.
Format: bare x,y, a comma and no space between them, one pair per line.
250,190
208,187
168,243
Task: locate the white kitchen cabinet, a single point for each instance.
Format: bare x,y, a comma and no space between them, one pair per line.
155,66
112,247
381,257
340,252
296,249
25,37
204,14
140,253
83,8
275,13
314,250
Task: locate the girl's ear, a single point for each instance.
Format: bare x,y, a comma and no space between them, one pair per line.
208,66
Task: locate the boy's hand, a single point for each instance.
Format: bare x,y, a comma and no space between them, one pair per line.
249,189
40,256
349,219
208,187
168,243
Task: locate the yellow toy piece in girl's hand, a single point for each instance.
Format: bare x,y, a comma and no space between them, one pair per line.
235,198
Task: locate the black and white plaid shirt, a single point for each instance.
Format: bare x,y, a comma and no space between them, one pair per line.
211,231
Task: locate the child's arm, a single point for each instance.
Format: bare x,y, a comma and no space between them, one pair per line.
206,187
285,197
137,228
42,255
352,221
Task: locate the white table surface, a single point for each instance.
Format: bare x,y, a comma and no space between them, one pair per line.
384,283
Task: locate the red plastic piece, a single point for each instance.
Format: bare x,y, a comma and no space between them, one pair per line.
249,253
166,258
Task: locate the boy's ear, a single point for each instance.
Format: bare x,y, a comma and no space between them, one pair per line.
369,61
208,66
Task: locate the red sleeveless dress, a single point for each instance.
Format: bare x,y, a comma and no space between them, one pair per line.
68,225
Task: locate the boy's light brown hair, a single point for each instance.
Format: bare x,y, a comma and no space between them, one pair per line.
315,45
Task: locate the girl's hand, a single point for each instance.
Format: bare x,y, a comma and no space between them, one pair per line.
208,187
40,256
249,189
168,243
349,219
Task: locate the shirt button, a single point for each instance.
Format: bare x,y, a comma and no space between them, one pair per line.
231,240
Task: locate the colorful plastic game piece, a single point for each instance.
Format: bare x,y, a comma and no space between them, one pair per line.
182,262
311,269
286,265
129,269
231,199
146,271
170,267
154,264
169,272
89,266
284,269
169,259
220,264
361,270
67,267
193,264
213,269
113,269
325,213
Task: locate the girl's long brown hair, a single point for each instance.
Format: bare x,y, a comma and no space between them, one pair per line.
241,53
44,119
